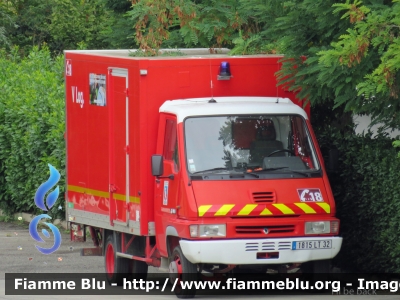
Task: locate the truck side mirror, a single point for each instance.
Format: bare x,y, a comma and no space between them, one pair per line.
333,160
157,165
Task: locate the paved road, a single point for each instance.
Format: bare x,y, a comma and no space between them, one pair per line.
19,255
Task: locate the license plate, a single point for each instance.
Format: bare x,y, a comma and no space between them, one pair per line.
311,245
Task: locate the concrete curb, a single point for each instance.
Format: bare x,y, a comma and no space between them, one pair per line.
29,217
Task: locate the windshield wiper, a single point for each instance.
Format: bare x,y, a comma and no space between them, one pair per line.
210,170
274,169
254,173
268,169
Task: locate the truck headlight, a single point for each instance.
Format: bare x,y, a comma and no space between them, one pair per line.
209,230
319,227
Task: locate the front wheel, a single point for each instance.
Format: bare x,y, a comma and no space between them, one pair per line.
181,270
317,266
317,270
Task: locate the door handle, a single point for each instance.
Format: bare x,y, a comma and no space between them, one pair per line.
171,176
113,188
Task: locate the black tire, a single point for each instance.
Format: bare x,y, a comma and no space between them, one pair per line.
317,270
138,269
187,272
322,266
317,267
116,267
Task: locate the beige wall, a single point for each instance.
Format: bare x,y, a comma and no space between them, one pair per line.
363,122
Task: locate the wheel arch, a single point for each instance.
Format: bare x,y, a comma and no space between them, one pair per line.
172,239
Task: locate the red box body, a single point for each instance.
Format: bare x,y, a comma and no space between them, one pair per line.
97,135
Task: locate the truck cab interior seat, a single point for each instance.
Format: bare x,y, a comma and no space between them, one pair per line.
265,143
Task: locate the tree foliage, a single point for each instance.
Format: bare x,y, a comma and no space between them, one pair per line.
300,30
5,21
59,24
75,21
342,52
208,23
118,32
373,34
32,19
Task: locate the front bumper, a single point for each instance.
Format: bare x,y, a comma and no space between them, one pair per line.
244,251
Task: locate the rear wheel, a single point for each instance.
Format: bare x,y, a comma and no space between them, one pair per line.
181,270
116,267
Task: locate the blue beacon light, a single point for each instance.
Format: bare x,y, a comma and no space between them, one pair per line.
224,71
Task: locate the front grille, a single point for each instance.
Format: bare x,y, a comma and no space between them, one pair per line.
267,230
264,197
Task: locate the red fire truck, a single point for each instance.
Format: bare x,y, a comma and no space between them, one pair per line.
193,162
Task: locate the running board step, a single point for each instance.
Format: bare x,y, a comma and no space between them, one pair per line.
120,254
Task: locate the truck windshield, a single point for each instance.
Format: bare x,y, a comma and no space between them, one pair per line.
258,145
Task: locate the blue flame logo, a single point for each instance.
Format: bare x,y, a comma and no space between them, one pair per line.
50,200
45,187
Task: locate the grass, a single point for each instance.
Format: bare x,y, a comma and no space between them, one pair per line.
8,219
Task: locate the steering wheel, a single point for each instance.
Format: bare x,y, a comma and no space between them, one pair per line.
283,150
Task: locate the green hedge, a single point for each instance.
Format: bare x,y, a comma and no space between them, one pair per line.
31,127
367,192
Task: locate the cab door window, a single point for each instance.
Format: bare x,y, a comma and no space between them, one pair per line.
170,152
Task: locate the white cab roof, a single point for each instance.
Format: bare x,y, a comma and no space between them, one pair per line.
231,106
